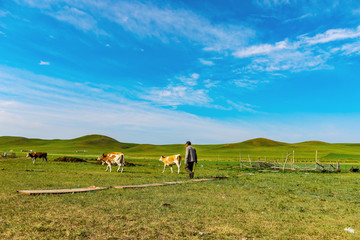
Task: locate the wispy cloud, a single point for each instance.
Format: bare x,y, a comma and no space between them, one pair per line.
332,35
190,80
44,63
303,54
210,83
70,12
261,49
246,83
75,17
291,20
177,95
206,62
348,49
147,20
242,107
271,3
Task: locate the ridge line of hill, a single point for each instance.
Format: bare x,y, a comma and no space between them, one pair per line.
102,139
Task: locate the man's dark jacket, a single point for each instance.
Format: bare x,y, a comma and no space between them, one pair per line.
190,155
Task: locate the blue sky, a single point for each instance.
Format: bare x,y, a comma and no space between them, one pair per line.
169,71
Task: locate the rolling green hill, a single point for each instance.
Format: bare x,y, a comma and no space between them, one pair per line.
257,148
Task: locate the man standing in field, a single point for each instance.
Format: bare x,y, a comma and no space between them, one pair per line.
190,159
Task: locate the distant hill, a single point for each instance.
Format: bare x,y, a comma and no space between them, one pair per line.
89,142
314,143
263,142
100,141
93,145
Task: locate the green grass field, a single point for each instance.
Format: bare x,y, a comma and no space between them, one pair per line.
246,205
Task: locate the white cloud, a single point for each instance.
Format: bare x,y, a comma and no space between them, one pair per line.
44,63
195,76
332,35
307,53
164,23
347,49
242,107
209,83
74,13
181,90
147,20
307,15
293,61
77,18
178,95
271,3
206,62
189,80
261,49
246,83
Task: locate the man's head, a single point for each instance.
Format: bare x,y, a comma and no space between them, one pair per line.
188,143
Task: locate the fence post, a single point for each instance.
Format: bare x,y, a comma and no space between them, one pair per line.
293,161
287,155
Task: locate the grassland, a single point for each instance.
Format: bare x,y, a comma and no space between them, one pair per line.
248,204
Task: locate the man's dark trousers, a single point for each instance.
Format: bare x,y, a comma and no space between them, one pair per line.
189,168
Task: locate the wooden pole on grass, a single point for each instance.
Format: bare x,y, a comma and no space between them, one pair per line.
287,155
293,161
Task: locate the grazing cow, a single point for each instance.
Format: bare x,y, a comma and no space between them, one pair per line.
352,169
170,161
35,155
113,158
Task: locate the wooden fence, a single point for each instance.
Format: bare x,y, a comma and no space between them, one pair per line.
289,164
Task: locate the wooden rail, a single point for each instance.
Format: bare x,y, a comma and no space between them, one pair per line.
61,191
93,188
162,184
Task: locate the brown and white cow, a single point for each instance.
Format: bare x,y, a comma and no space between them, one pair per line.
35,155
113,158
170,161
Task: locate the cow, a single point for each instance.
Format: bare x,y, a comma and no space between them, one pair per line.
170,161
112,158
35,155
